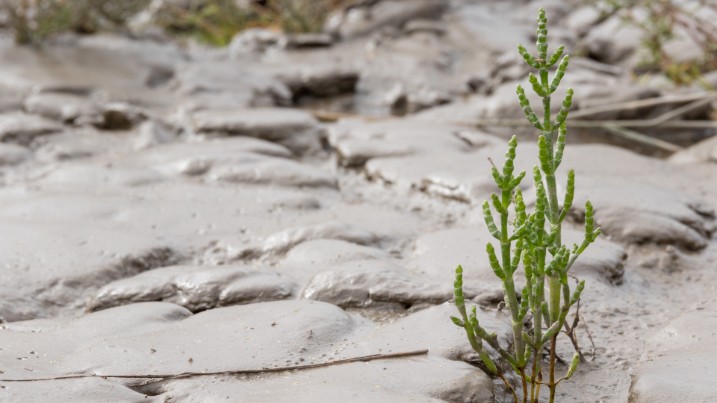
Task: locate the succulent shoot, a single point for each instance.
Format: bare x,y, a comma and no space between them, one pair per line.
533,239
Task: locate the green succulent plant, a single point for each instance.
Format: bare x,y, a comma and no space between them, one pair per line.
533,239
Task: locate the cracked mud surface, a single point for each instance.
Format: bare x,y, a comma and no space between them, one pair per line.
206,224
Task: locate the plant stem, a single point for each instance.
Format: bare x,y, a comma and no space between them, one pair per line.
509,387
552,385
509,286
537,387
553,212
532,384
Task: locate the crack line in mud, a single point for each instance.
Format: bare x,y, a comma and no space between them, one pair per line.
365,358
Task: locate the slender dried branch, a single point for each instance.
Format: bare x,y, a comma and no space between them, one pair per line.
365,358
643,103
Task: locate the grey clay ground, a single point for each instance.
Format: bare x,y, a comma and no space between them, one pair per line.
160,225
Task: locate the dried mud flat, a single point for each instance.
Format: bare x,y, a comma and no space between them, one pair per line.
176,229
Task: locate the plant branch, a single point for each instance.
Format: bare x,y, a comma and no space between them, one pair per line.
366,358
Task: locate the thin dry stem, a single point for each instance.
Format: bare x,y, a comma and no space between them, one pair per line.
365,358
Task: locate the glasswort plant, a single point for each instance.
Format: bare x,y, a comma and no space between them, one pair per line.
535,240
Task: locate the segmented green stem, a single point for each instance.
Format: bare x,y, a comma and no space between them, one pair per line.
538,245
552,312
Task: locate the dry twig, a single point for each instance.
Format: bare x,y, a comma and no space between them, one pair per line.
365,358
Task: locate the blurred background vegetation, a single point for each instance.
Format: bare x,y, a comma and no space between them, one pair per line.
217,21
33,21
214,22
662,21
